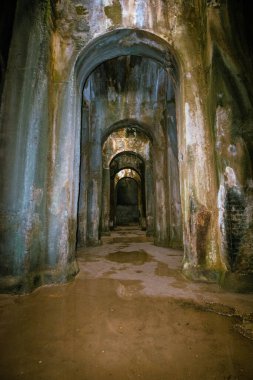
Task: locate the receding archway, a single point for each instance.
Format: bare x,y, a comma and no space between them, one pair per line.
136,84
127,150
139,87
121,200
127,210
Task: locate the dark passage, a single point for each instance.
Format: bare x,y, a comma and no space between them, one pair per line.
127,211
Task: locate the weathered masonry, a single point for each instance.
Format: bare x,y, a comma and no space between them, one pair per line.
118,112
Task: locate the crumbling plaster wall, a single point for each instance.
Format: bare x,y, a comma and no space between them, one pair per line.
40,126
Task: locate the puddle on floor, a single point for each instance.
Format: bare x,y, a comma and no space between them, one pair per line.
133,257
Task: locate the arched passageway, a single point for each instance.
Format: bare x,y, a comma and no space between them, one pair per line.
128,190
127,150
129,106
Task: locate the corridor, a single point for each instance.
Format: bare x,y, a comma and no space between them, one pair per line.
129,314
126,197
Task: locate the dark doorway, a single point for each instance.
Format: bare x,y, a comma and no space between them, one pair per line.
127,210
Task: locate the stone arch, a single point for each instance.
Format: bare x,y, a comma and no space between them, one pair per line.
197,176
143,127
118,162
120,43
132,173
126,42
138,174
129,153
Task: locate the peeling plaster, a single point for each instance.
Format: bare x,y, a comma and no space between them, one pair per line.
221,207
230,177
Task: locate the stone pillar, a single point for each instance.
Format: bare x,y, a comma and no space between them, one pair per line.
149,195
25,140
198,184
142,220
175,222
82,202
112,203
94,187
106,202
161,237
174,205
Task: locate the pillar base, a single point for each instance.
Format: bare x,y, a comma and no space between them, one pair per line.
93,242
201,274
31,281
161,243
229,281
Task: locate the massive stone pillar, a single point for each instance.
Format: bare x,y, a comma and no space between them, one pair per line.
84,175
94,184
149,195
161,237
142,219
24,151
106,202
174,202
198,183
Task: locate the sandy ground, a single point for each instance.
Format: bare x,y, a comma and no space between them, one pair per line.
129,314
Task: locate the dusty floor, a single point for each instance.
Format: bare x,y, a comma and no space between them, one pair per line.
129,314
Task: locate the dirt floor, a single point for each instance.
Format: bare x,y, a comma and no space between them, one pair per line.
129,314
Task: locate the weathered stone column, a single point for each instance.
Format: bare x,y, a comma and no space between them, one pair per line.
106,202
149,195
161,231
94,184
84,175
112,203
198,183
24,148
174,205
